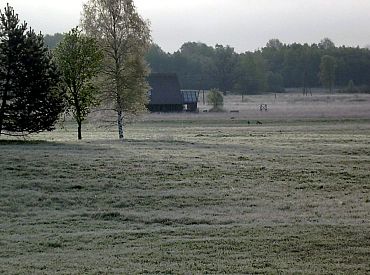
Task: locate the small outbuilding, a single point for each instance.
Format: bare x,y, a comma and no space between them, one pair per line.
165,93
190,98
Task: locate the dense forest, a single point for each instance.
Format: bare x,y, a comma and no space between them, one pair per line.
273,68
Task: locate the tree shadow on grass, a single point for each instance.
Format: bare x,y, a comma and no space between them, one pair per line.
24,142
45,143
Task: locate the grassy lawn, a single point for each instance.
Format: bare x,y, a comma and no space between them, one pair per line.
189,197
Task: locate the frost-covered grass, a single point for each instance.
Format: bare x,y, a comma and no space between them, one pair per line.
192,196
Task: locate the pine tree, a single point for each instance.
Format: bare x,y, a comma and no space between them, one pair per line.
30,102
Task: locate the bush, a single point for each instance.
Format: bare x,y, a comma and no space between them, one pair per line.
215,99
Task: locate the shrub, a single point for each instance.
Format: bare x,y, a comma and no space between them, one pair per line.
215,99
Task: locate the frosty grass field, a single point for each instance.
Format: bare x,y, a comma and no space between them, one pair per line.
195,193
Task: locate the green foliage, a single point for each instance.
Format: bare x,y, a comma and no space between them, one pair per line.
274,44
328,66
79,60
326,44
125,38
251,74
351,86
203,67
196,61
275,82
52,41
224,67
30,102
156,55
215,98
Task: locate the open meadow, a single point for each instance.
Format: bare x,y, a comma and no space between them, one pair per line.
195,193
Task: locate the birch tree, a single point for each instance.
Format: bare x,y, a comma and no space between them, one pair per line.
124,38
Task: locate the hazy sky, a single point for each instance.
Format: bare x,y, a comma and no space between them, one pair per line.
243,24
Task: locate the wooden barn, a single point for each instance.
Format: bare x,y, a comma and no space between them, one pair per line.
165,93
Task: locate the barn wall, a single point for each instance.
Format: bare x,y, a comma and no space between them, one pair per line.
165,108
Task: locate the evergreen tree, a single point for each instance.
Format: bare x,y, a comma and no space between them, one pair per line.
28,78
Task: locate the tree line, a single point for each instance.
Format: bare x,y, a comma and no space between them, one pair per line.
270,69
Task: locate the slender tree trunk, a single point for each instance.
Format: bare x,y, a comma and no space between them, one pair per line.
120,125
3,103
2,110
120,118
78,116
79,130
117,77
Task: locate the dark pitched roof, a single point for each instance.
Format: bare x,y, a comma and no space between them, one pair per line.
165,89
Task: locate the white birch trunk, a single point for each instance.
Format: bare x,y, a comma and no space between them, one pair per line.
120,125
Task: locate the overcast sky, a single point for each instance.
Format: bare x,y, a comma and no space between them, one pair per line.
242,24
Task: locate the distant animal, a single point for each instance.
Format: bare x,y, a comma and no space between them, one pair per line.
259,122
263,107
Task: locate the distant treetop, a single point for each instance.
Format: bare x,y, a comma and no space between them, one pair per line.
52,41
